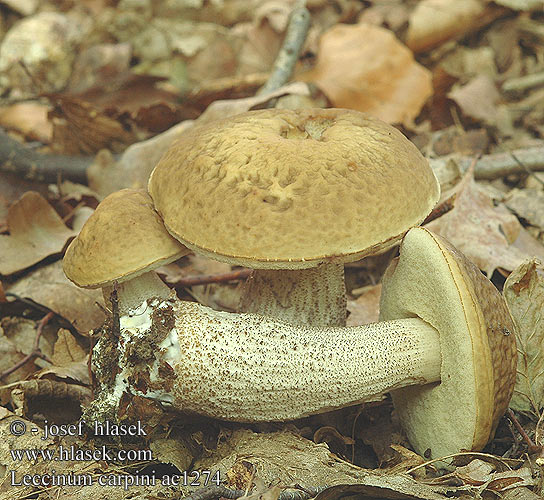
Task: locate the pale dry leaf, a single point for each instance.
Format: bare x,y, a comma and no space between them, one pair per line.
478,99
485,233
275,455
521,4
476,472
69,359
67,349
48,286
230,107
528,204
36,231
28,118
366,308
524,293
433,22
364,67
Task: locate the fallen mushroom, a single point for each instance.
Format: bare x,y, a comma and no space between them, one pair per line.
447,350
261,189
123,241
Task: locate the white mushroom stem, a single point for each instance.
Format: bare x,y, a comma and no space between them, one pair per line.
133,292
314,296
244,367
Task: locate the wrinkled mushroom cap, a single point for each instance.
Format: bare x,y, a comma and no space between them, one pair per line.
121,240
435,282
292,189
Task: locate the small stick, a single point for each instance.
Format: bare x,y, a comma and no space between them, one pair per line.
297,29
36,351
206,279
532,447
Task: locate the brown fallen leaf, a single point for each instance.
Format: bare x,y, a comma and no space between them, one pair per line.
433,22
48,286
28,118
80,127
36,231
524,293
485,233
478,99
70,361
364,67
528,204
366,308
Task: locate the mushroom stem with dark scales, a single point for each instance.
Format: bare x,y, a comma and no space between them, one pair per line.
315,296
447,347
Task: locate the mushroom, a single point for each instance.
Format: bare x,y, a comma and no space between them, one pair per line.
446,350
122,242
293,195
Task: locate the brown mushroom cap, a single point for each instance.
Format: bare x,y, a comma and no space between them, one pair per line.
435,282
122,239
292,189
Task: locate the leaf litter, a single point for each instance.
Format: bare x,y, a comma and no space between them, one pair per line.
458,76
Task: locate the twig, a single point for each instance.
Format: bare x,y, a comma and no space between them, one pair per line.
206,279
522,83
532,447
297,29
18,159
500,164
36,351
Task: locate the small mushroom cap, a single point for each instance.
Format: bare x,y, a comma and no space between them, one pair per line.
291,189
121,240
435,282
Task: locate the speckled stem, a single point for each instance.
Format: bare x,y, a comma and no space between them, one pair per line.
133,292
314,296
244,367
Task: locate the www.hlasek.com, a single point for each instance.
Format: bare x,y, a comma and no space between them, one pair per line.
73,453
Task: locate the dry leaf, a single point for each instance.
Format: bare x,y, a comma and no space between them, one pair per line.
48,286
69,358
135,165
482,231
81,128
528,204
276,457
364,67
66,349
366,308
521,4
433,22
524,293
28,118
230,107
478,99
36,231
